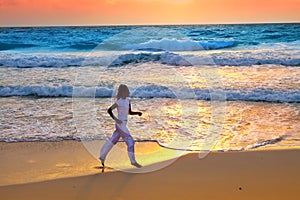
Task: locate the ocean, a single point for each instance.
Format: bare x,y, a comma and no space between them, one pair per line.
200,87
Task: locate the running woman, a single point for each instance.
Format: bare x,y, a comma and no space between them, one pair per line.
124,108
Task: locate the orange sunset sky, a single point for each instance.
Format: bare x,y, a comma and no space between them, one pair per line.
118,12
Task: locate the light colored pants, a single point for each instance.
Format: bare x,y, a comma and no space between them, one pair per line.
121,131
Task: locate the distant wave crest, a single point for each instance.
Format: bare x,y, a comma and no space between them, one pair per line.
181,45
9,46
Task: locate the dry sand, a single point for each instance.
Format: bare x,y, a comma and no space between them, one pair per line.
38,171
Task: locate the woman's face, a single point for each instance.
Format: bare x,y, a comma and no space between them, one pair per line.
125,94
123,91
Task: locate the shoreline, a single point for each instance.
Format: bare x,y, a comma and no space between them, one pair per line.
66,170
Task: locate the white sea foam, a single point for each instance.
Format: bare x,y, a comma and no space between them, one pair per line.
224,58
180,45
152,91
52,119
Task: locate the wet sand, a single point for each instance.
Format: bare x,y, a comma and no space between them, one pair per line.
66,170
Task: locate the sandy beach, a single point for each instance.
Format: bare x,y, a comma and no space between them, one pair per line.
66,170
212,89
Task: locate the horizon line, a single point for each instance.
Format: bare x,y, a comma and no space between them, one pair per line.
162,24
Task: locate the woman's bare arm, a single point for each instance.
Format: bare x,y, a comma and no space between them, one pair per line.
134,113
110,109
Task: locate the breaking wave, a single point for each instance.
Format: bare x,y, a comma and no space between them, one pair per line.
181,45
153,91
58,60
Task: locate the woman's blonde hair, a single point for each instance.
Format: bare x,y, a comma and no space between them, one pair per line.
123,91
